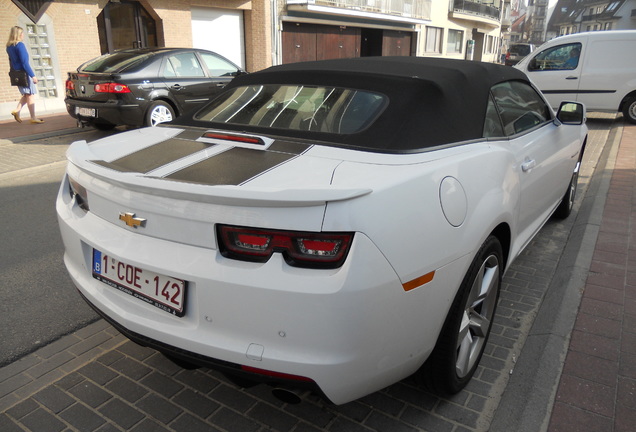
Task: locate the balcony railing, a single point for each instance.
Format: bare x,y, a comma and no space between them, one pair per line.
418,9
485,8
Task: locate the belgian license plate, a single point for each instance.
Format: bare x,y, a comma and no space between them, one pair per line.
86,112
164,292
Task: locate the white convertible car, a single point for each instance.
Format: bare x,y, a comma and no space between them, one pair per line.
336,225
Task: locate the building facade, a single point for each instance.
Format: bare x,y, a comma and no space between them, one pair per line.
62,34
576,16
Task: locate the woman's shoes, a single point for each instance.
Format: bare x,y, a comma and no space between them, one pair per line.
37,121
16,116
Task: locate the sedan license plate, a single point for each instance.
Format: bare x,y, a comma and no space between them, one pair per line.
163,292
86,112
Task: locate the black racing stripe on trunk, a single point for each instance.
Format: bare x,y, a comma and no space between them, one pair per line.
289,147
232,167
192,134
155,156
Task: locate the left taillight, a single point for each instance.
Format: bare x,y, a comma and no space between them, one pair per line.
79,193
111,87
299,249
70,85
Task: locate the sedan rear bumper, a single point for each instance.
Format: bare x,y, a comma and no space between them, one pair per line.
117,113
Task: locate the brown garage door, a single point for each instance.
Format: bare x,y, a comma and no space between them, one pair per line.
308,42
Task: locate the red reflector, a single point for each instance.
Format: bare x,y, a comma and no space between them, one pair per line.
236,138
275,374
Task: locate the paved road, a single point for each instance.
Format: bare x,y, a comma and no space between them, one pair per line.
38,302
94,379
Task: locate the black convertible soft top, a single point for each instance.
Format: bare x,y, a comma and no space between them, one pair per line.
432,101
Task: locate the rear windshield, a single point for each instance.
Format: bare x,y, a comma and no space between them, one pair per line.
522,50
113,63
297,107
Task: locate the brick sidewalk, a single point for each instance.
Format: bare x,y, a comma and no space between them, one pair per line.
10,129
597,391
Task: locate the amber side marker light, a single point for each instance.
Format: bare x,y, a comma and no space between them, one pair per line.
418,282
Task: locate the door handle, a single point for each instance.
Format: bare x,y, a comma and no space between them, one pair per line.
177,87
571,77
528,165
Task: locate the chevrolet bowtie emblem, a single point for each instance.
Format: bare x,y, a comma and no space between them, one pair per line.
131,220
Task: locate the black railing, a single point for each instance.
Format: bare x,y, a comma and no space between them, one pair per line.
477,8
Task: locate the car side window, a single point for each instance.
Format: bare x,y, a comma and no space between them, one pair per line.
561,57
519,106
217,66
492,124
183,65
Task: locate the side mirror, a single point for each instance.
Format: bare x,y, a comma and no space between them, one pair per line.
571,113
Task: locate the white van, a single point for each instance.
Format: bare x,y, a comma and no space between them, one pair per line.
596,68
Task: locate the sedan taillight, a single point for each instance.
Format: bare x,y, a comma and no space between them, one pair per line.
111,88
70,85
299,249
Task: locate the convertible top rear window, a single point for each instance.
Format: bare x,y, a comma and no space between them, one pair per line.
383,104
297,107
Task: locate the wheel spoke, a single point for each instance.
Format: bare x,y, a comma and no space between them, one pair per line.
477,316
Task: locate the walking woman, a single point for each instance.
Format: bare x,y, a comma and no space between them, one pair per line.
19,58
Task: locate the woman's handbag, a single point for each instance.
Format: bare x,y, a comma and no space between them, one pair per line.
19,78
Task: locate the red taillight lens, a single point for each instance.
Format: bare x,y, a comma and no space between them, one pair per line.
70,85
300,249
111,88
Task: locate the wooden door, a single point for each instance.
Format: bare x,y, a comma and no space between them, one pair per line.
337,42
396,43
299,42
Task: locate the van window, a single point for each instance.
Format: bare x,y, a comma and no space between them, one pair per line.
561,57
520,107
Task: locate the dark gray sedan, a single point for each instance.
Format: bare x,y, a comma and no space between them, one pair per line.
144,87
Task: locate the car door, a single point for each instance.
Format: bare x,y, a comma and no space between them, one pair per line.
186,80
540,152
556,71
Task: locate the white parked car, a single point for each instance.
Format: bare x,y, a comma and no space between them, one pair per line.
338,225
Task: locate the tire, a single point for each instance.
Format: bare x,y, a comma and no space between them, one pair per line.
463,338
629,110
567,202
159,112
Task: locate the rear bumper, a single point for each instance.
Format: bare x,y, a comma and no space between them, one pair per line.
116,113
352,330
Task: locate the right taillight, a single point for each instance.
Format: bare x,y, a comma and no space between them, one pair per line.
299,249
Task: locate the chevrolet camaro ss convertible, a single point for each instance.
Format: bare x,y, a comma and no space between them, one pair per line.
336,225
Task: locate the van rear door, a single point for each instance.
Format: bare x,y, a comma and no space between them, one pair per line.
608,68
